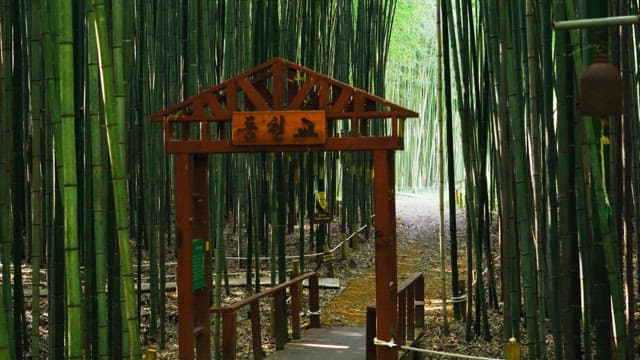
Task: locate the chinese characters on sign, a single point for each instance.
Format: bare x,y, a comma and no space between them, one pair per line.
279,128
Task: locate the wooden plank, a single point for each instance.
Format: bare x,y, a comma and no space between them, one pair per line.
332,144
302,93
252,95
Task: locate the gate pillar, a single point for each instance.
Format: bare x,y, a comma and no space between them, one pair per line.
193,253
386,266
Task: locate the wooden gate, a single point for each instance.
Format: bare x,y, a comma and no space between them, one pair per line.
278,106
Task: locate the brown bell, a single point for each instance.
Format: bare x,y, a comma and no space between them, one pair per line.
601,88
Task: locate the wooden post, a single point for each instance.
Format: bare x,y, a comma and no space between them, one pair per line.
228,335
419,298
314,302
280,331
294,291
184,270
200,226
411,311
370,333
402,317
256,330
386,256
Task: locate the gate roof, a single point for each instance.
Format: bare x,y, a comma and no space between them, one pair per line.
356,119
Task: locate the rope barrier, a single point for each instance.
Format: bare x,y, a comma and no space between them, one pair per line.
262,258
446,354
391,344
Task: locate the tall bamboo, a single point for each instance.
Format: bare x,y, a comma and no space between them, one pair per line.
100,192
69,181
445,324
37,213
114,117
525,236
7,344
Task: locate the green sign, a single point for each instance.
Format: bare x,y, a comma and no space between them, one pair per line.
197,261
328,257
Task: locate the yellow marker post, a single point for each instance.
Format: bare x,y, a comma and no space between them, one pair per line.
512,349
150,354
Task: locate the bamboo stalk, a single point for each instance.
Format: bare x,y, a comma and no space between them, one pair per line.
596,22
114,117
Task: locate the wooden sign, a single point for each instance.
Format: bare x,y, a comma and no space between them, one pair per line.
252,128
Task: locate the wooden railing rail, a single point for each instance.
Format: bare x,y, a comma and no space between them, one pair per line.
410,315
229,314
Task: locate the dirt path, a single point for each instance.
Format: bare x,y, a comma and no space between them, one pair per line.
418,247
418,251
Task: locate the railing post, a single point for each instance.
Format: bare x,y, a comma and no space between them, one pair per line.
419,301
370,333
256,330
229,335
280,331
411,310
402,317
294,291
314,302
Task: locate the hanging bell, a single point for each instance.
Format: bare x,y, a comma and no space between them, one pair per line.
601,88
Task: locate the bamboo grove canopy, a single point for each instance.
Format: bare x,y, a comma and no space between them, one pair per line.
551,197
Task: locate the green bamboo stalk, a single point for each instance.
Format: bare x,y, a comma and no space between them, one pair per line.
451,169
611,250
69,181
445,323
5,351
7,343
114,117
100,193
629,148
567,287
18,162
37,213
55,275
536,146
527,251
552,169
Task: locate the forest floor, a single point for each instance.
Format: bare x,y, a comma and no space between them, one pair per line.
418,251
418,236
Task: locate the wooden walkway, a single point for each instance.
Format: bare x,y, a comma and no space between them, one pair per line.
335,343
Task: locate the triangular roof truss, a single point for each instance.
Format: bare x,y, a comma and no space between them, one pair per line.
203,121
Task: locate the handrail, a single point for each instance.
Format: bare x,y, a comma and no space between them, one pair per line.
410,314
278,292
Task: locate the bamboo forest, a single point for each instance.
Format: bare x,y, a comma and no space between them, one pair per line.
139,220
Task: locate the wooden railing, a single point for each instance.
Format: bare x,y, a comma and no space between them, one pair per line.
410,315
229,315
